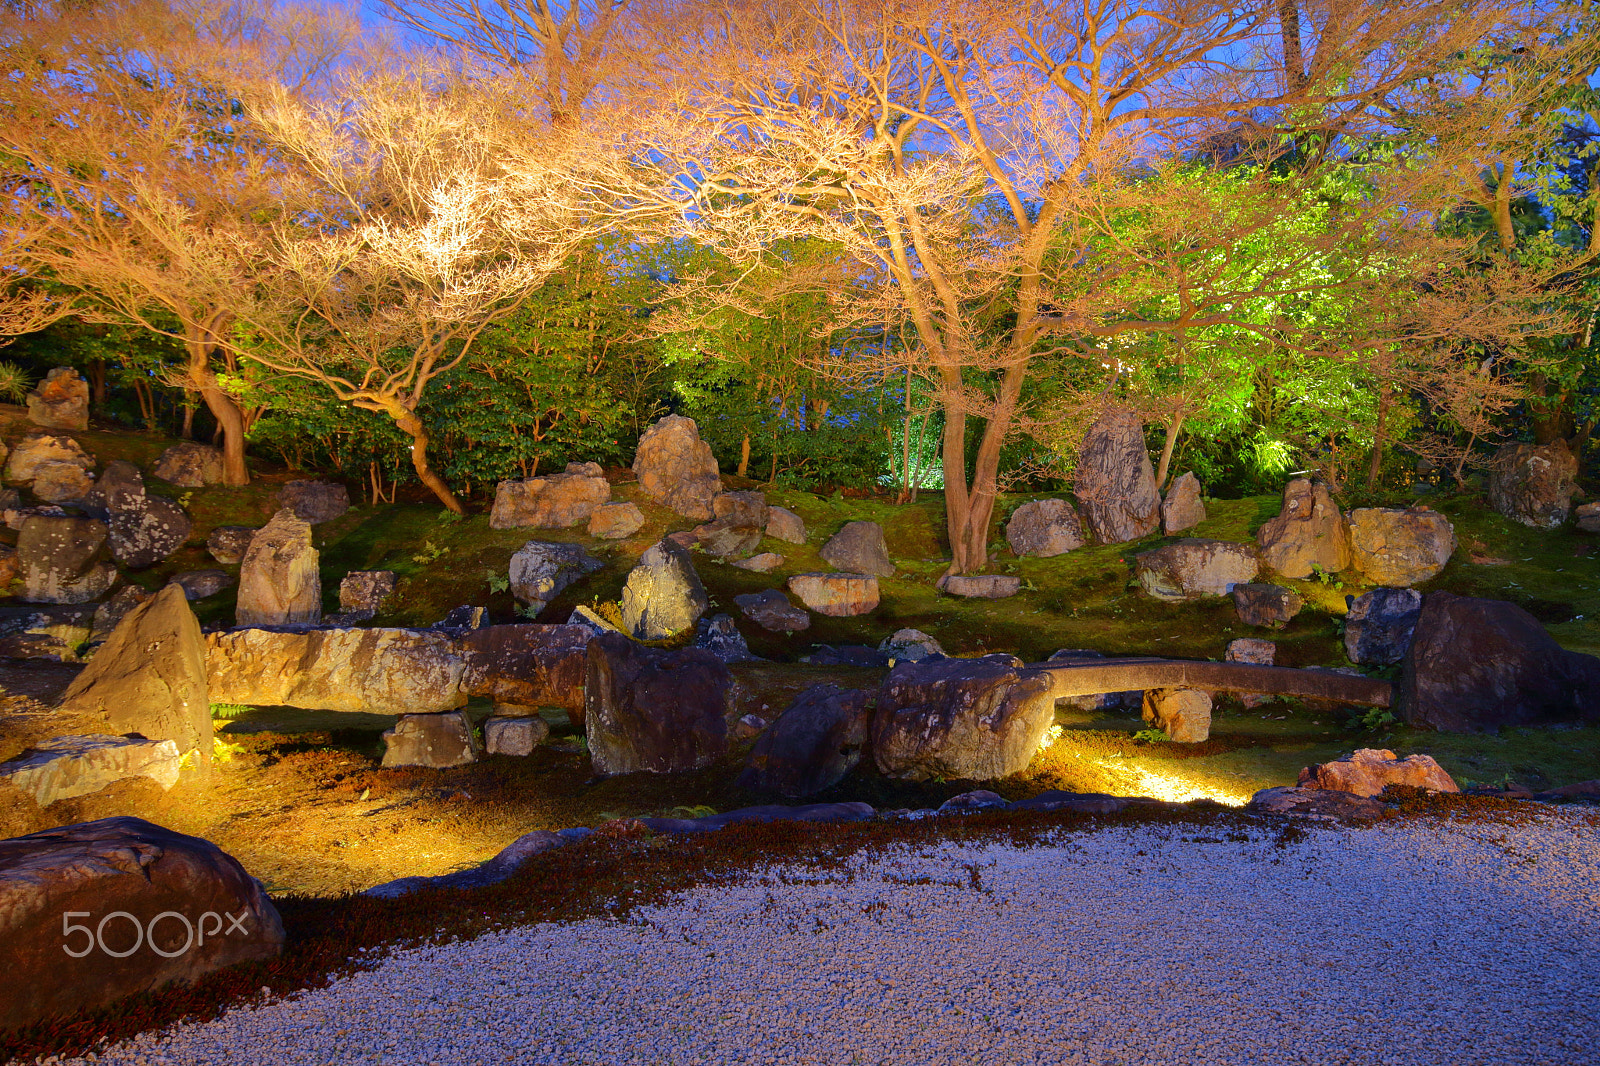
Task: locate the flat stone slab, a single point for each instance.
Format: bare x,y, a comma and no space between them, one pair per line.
79,765
1087,677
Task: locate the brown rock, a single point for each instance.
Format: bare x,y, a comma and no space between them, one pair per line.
1192,568
980,586
1307,535
11,567
439,741
1400,548
38,448
654,710
1266,605
1256,651
836,595
676,468
201,584
723,539
378,671
859,548
1044,528
366,591
55,482
1588,516
764,563
514,736
783,524
1182,509
71,766
279,583
977,719
189,465
1184,714
1533,483
314,502
1115,482
527,664
60,401
614,521
1368,771
196,909
1317,803
742,508
227,544
552,502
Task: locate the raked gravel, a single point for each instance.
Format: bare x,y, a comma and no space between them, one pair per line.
1421,942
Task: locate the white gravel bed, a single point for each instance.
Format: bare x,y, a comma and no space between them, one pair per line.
1418,943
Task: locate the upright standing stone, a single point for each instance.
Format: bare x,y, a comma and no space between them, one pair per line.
859,548
1533,483
813,744
60,401
1183,508
279,583
1184,714
1115,482
1308,534
676,468
1378,628
654,710
663,594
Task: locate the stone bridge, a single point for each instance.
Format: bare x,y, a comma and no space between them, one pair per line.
1087,677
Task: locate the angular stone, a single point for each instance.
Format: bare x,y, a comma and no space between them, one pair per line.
228,544
79,765
201,584
1266,605
1044,528
1312,802
1478,665
110,612
814,743
541,570
590,622
1368,771
1379,624
978,719
189,465
783,524
772,611
676,468
1307,535
38,448
150,677
63,559
722,638
378,671
173,887
741,508
528,664
723,539
366,590
980,586
663,594
438,740
836,595
551,502
764,563
145,529
1192,568
859,548
466,617
614,521
60,401
1588,516
910,646
315,502
654,710
1184,714
514,736
1533,483
55,482
279,582
1182,509
972,802
1394,547
1115,483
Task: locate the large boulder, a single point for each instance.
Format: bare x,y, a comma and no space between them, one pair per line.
63,559
279,583
836,595
60,401
540,570
55,482
652,709
1533,483
1184,714
71,766
1192,568
552,502
979,719
39,448
228,544
772,611
614,521
150,677
742,508
189,465
380,671
1266,605
527,664
814,743
1044,528
1368,771
1115,482
1182,508
1478,665
93,912
145,529
783,524
676,468
859,548
439,741
1379,624
663,594
1307,535
315,502
1399,548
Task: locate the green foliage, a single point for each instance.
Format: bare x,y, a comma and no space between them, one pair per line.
498,582
14,382
1151,736
229,710
430,552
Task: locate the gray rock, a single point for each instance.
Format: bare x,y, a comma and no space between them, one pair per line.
814,743
1184,714
64,559
1266,605
1307,535
67,767
1588,517
676,468
654,710
614,521
910,646
1533,483
772,611
783,524
764,563
497,869
228,544
972,802
189,465
37,448
1076,802
980,586
1044,528
1192,568
60,401
55,482
663,594
742,508
122,866
201,584
1378,627
722,638
808,812
435,740
978,719
468,616
859,548
1115,482
529,664
315,502
1315,802
279,579
111,611
540,570
723,539
836,595
552,502
1182,509
1399,548
514,736
366,590
145,529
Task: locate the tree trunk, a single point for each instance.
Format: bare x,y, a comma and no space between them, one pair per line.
97,383
223,407
187,433
411,425
1173,429
969,537
1552,412
744,455
1294,61
1375,466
